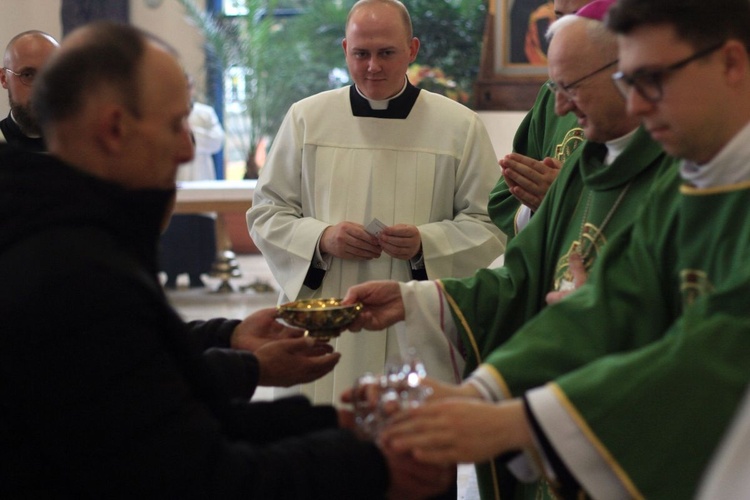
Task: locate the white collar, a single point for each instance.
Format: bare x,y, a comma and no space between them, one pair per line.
382,104
36,136
730,166
616,146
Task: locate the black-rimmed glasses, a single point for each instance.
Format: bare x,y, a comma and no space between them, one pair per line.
649,82
569,89
26,76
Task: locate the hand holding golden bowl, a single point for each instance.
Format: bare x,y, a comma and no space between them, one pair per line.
321,318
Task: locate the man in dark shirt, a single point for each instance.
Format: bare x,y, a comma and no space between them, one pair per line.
24,56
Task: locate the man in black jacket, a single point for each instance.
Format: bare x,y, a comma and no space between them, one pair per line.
22,60
104,391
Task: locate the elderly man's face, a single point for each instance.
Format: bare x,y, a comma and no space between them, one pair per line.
27,56
159,139
594,100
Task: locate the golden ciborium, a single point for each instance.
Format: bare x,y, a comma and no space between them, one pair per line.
321,318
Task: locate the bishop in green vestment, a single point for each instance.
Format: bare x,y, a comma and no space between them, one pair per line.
542,134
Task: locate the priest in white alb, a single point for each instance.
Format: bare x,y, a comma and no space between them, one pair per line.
378,180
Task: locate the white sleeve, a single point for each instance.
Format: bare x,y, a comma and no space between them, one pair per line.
287,240
429,329
727,476
562,427
523,216
208,132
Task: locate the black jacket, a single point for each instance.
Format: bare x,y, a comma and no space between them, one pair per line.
14,136
105,392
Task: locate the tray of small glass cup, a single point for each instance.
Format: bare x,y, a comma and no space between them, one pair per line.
321,318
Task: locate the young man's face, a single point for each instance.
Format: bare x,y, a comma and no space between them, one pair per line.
686,117
378,51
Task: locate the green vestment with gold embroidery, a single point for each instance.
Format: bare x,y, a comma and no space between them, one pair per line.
493,304
541,134
496,302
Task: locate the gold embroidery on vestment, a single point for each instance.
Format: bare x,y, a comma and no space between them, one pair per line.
590,243
591,238
694,283
570,142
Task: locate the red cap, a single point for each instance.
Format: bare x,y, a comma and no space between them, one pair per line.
595,10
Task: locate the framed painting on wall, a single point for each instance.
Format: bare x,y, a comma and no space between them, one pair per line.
514,54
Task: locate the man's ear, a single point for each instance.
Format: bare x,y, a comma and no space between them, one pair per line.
735,61
112,127
4,78
413,49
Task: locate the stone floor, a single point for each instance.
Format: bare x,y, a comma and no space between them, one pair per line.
254,289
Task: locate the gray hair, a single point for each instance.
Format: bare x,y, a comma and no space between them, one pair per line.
596,31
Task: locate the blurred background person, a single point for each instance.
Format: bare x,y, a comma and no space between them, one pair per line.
189,242
23,57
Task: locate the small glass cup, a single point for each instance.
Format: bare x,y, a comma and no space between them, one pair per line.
365,401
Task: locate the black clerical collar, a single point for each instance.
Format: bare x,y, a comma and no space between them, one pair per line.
398,107
14,135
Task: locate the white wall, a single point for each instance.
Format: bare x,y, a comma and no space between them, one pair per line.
502,125
22,15
167,21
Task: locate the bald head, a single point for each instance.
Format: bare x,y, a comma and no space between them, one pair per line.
96,56
579,38
32,41
24,56
399,7
582,57
114,102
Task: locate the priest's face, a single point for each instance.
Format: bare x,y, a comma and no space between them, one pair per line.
23,61
582,72
379,49
692,110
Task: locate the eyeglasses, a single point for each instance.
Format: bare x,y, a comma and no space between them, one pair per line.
26,76
569,89
649,83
